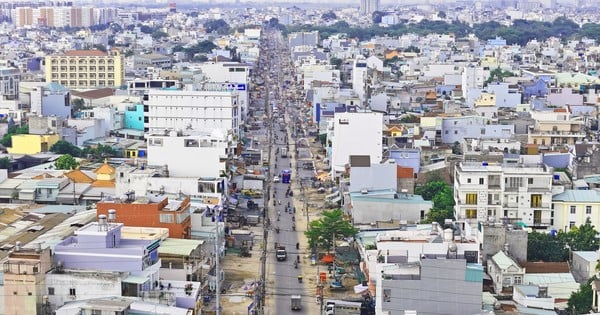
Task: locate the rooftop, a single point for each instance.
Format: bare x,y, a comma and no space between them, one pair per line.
572,195
85,53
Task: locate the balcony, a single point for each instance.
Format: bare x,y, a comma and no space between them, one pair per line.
542,222
22,267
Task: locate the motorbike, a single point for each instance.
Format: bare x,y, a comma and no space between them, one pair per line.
299,279
293,227
277,230
297,245
296,265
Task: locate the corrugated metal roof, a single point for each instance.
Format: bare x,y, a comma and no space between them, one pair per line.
503,261
578,196
176,246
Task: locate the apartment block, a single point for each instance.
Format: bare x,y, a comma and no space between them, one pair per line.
24,275
573,207
86,69
492,191
177,110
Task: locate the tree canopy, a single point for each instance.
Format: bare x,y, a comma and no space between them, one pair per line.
443,200
546,247
520,32
321,232
218,26
580,301
6,140
65,147
66,162
99,152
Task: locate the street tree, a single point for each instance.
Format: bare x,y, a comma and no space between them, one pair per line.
66,162
323,232
580,301
443,200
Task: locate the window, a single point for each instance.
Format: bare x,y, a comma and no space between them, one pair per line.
536,201
96,312
481,181
468,180
530,181
471,213
518,280
387,295
72,292
471,199
571,224
50,291
166,218
182,216
588,209
573,209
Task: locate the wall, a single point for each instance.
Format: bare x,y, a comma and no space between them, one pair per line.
494,238
362,135
134,119
57,105
32,144
87,285
442,289
375,177
366,210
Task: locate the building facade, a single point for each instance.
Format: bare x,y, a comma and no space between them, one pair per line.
191,110
24,276
86,69
488,192
151,211
573,208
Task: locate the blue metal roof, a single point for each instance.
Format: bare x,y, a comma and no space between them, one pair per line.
578,196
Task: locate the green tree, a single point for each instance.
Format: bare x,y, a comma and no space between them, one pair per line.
5,163
443,200
328,16
218,26
99,152
580,301
546,247
65,147
337,62
376,16
158,34
66,162
582,238
441,15
321,232
498,75
6,140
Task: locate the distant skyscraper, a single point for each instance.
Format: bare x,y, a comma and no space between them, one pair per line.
368,6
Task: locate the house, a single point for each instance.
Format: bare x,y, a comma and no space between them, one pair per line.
181,259
24,277
423,268
151,211
119,305
494,236
584,265
533,296
573,208
485,191
505,272
358,133
368,206
32,144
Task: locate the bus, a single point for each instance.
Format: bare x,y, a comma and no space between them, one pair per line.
286,176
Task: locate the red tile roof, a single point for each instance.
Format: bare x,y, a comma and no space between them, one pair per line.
404,172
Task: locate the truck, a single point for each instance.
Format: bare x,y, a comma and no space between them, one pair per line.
340,307
296,301
283,152
281,253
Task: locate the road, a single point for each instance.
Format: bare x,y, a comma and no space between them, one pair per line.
282,276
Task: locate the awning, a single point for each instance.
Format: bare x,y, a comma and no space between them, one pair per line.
135,280
327,259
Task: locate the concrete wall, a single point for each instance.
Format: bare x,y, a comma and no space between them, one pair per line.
367,211
375,177
441,289
87,285
494,238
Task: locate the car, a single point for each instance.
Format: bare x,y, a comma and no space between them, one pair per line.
276,179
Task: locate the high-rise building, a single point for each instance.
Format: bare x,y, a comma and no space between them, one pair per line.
86,69
369,6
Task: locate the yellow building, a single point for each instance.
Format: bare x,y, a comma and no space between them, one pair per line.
86,69
32,144
573,207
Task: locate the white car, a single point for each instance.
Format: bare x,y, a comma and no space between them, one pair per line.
276,179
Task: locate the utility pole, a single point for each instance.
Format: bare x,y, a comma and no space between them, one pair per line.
217,271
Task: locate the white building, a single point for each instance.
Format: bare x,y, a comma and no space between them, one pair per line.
236,76
192,110
189,154
359,77
63,286
473,78
357,133
517,192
